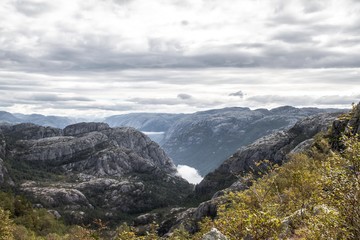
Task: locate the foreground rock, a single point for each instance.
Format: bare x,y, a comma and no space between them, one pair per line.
214,234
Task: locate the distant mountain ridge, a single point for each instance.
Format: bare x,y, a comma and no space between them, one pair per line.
203,140
51,121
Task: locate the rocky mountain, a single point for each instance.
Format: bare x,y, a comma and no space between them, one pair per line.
52,121
203,140
274,147
147,122
89,168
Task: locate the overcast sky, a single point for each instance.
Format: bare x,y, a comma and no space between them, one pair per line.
105,57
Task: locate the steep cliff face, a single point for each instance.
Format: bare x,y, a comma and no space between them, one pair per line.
203,140
273,147
91,166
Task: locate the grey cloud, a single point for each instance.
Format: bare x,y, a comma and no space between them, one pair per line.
305,100
155,101
313,6
31,8
159,45
287,19
337,99
97,57
123,2
175,101
294,36
116,107
280,100
237,94
2,104
184,22
56,98
184,96
248,45
91,52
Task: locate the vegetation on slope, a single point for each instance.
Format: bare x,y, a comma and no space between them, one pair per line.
315,195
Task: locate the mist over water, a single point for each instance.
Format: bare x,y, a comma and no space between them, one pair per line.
189,173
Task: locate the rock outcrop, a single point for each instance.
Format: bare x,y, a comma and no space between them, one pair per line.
214,234
90,167
82,128
348,124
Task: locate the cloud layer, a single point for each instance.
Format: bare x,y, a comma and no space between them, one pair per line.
98,95
112,35
104,57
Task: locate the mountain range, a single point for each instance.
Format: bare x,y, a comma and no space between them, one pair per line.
88,171
202,140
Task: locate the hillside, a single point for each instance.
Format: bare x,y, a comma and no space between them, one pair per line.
314,195
274,147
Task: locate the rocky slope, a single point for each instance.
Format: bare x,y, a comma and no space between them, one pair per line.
231,175
203,140
90,167
273,147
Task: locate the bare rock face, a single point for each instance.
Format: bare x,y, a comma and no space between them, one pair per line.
29,131
2,171
109,152
55,196
273,147
90,166
81,128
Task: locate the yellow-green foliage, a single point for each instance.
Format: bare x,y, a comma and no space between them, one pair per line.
313,196
125,232
6,226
